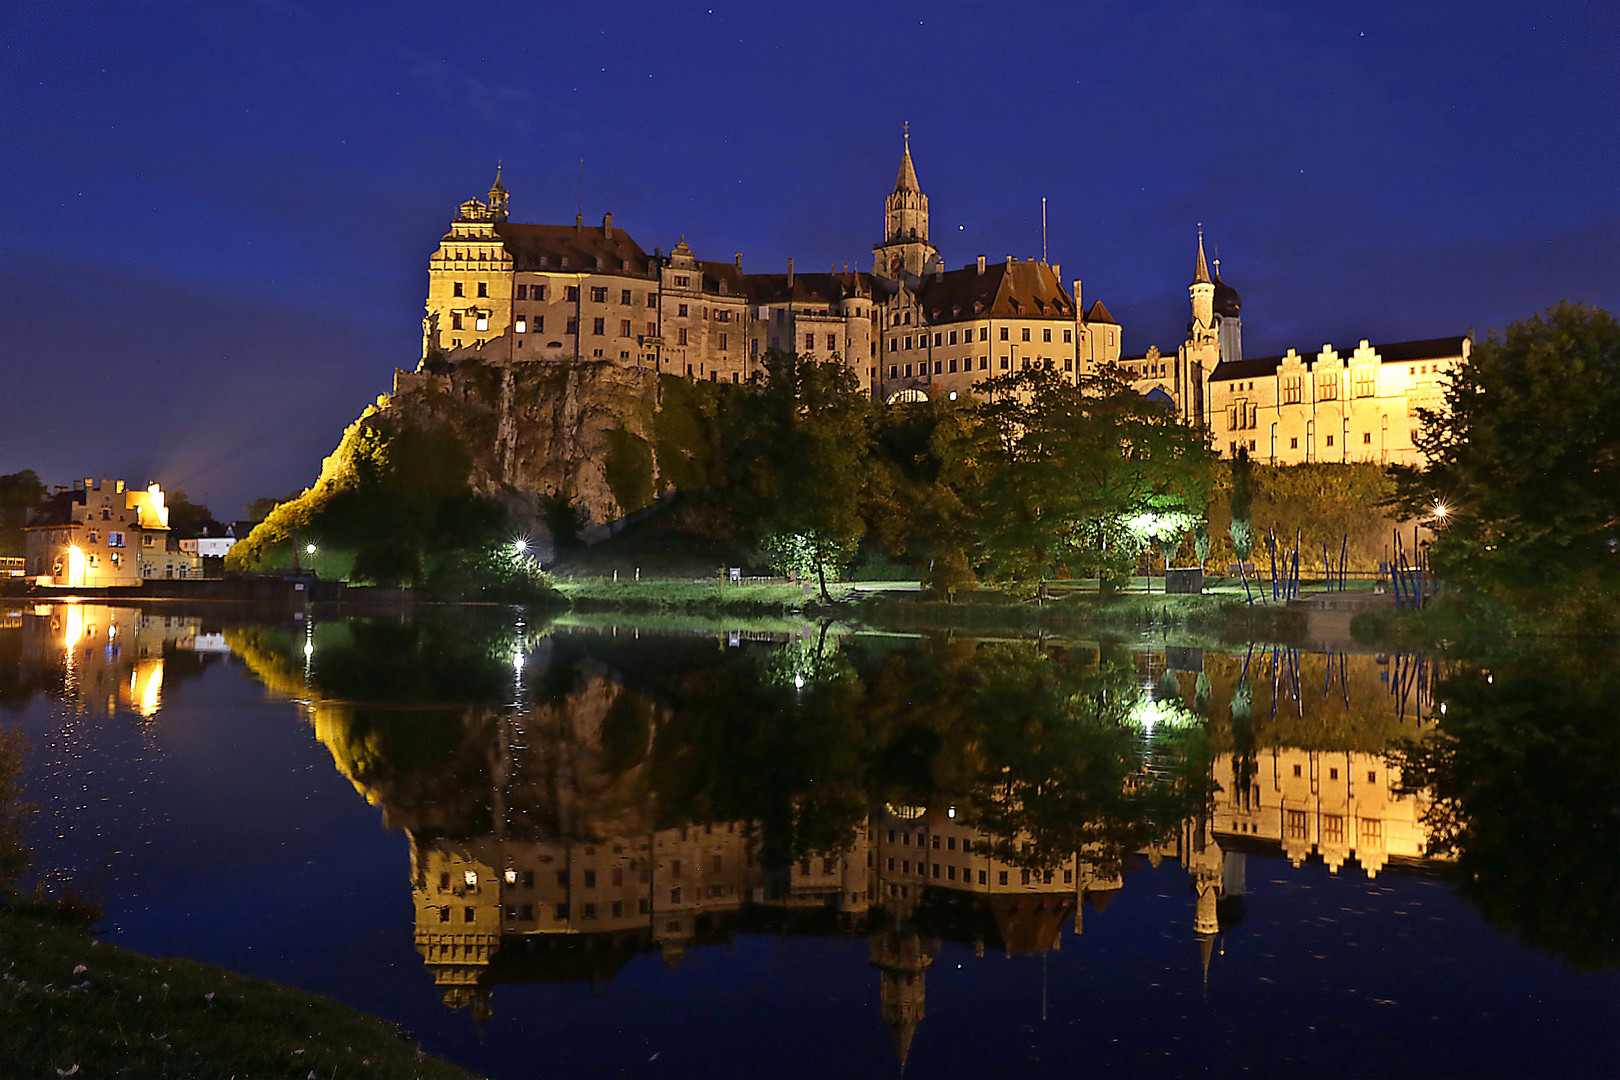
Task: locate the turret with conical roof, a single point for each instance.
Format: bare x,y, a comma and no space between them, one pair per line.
905,249
497,196
1202,291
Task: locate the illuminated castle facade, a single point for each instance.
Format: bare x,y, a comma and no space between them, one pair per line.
508,292
1358,403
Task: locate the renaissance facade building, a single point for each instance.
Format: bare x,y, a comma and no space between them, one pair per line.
1353,404
505,291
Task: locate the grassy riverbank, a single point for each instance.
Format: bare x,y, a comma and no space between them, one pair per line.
1220,612
72,1006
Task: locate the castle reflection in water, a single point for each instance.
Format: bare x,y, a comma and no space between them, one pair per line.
543,848
101,659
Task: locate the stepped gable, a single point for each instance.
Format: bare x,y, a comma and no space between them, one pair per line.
544,247
1395,352
1004,289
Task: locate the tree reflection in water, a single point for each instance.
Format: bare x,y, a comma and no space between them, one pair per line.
574,798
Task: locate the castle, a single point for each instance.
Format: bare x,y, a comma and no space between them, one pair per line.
909,329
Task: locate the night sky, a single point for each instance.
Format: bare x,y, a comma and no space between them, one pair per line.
217,217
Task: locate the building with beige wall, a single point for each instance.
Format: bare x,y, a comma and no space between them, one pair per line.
508,292
1351,404
102,534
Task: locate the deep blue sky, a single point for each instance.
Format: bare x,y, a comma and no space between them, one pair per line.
217,217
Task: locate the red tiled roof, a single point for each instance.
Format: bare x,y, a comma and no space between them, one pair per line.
1028,289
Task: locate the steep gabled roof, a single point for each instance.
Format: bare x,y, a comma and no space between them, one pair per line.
1099,314
822,288
582,245
1026,289
55,510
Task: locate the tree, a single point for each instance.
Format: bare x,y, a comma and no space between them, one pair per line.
1241,502
186,518
19,493
1089,469
799,447
1524,458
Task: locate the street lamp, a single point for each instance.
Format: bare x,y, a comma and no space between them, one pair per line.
1441,510
309,549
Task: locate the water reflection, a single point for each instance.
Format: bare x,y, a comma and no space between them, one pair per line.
99,659
575,799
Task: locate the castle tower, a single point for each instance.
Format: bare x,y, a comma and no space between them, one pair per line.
497,196
1228,326
903,957
905,250
1202,291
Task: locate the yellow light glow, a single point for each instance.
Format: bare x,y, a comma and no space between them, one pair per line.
75,574
511,876
72,626
146,687
470,877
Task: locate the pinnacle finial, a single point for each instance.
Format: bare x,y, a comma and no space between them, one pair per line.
1201,274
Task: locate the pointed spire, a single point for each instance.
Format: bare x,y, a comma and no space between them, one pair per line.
1201,275
907,180
497,186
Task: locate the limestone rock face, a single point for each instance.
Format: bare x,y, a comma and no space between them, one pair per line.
533,430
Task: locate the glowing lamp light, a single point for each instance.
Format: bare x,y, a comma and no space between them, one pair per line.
511,876
1441,510
517,661
309,649
309,549
953,395
520,547
798,682
75,574
470,877
950,811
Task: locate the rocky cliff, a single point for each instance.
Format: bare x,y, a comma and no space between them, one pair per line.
533,435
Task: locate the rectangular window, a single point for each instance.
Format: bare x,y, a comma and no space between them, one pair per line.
590,879
681,310
624,296
1291,390
483,288
1296,824
1003,333
984,333
938,339
984,363
894,344
1366,384
1293,443
984,877
573,325
832,342
908,371
598,294
1025,333
1372,832
1002,878
682,281
1333,828
1330,440
455,320
457,290
652,329
680,336
939,367
539,323
953,337
598,327
1046,333
908,341
809,341
572,294
894,373
624,327
483,323
652,299
523,292
723,342
953,365
537,292
1068,335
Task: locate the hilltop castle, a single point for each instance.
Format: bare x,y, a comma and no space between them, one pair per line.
908,329
502,290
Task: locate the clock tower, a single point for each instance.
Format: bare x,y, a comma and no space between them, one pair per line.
905,251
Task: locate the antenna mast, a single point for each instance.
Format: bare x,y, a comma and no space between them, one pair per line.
1043,228
582,189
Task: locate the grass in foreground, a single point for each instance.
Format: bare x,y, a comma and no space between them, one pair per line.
71,1006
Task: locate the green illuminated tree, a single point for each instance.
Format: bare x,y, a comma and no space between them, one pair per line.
1525,457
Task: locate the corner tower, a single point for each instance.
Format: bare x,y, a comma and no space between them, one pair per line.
905,250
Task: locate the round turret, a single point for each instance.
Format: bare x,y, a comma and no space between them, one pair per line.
1227,301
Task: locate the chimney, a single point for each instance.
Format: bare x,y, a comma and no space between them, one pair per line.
790,273
607,224
981,266
739,260
939,274
1057,271
1077,305
89,483
1011,259
579,222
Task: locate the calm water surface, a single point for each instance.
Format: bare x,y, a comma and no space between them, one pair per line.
585,849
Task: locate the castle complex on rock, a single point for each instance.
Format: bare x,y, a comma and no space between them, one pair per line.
505,292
